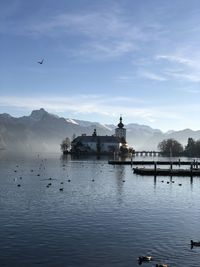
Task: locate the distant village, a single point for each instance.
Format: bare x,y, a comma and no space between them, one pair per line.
98,144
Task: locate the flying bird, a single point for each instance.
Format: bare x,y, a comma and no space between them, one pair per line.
40,62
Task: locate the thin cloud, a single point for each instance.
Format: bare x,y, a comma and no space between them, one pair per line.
106,34
182,68
176,59
80,105
93,25
190,77
90,105
152,76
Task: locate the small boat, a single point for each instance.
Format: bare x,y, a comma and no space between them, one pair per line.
194,243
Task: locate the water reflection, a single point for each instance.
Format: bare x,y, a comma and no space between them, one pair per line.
120,180
155,181
115,219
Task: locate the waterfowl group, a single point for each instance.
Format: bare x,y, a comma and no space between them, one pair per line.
172,181
147,258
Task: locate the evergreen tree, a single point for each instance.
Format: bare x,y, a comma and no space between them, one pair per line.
190,148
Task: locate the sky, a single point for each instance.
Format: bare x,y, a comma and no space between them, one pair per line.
102,58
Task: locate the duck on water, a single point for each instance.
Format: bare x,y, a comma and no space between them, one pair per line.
142,259
195,243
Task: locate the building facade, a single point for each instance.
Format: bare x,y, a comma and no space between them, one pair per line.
96,144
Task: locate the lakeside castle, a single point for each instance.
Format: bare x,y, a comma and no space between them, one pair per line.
101,144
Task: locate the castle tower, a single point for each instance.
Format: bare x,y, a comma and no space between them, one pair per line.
120,132
94,133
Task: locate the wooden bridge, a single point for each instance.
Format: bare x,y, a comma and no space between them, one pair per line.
147,153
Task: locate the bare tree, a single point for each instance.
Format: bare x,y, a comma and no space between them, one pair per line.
170,147
65,145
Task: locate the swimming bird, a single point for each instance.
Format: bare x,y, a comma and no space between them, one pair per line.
161,265
41,62
61,189
144,259
195,243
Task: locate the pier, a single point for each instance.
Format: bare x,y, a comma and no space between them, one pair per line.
167,172
193,170
152,162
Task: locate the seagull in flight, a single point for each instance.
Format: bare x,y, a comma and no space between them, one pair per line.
40,62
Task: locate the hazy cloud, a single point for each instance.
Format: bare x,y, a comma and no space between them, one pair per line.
176,59
152,76
93,104
100,33
87,104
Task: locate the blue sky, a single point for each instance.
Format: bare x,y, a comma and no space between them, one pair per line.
102,58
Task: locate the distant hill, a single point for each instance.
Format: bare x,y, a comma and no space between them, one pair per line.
43,131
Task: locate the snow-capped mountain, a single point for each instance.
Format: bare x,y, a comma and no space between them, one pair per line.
42,131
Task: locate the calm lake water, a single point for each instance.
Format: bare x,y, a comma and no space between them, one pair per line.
105,215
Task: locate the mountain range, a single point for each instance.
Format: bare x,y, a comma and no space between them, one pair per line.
43,131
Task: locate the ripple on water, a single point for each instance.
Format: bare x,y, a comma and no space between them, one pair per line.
107,222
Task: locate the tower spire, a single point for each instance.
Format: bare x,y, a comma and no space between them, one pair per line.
120,125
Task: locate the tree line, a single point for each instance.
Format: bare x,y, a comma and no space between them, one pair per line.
171,147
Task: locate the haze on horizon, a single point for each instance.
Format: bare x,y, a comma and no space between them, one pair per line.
102,59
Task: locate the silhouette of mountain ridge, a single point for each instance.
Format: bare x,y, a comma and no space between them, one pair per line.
43,131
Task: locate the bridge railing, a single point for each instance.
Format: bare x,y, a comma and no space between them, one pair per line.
147,153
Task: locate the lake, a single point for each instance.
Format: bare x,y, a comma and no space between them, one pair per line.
104,215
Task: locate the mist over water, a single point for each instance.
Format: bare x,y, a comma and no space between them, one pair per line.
104,216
